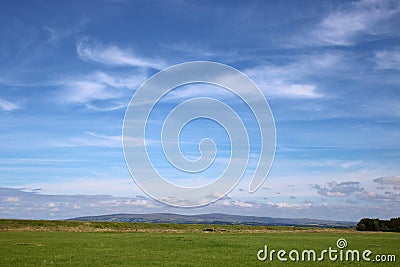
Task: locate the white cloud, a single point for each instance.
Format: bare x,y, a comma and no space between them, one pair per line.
350,164
56,34
293,80
244,204
342,27
277,82
389,181
284,205
100,91
92,139
111,106
387,59
6,105
66,205
286,90
334,189
23,204
236,203
102,184
382,197
113,55
11,199
300,78
196,90
85,91
126,202
111,138
130,81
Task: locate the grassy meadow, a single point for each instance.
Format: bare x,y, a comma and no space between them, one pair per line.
68,243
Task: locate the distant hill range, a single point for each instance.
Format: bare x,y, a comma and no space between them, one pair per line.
215,218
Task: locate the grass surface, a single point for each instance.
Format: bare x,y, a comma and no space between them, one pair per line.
159,245
80,226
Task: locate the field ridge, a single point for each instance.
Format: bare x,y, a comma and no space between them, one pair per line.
10,225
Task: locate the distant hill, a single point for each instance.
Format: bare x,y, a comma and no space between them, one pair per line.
215,218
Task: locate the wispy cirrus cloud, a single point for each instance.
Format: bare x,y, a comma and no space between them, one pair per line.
110,106
345,25
100,91
6,105
276,82
387,59
113,55
282,89
304,76
92,139
347,165
86,91
57,34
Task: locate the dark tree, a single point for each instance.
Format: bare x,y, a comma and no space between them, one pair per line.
367,224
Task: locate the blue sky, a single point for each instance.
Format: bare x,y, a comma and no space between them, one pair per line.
329,70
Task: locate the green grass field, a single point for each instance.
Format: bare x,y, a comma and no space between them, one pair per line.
52,243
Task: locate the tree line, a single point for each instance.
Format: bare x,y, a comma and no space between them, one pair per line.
367,224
